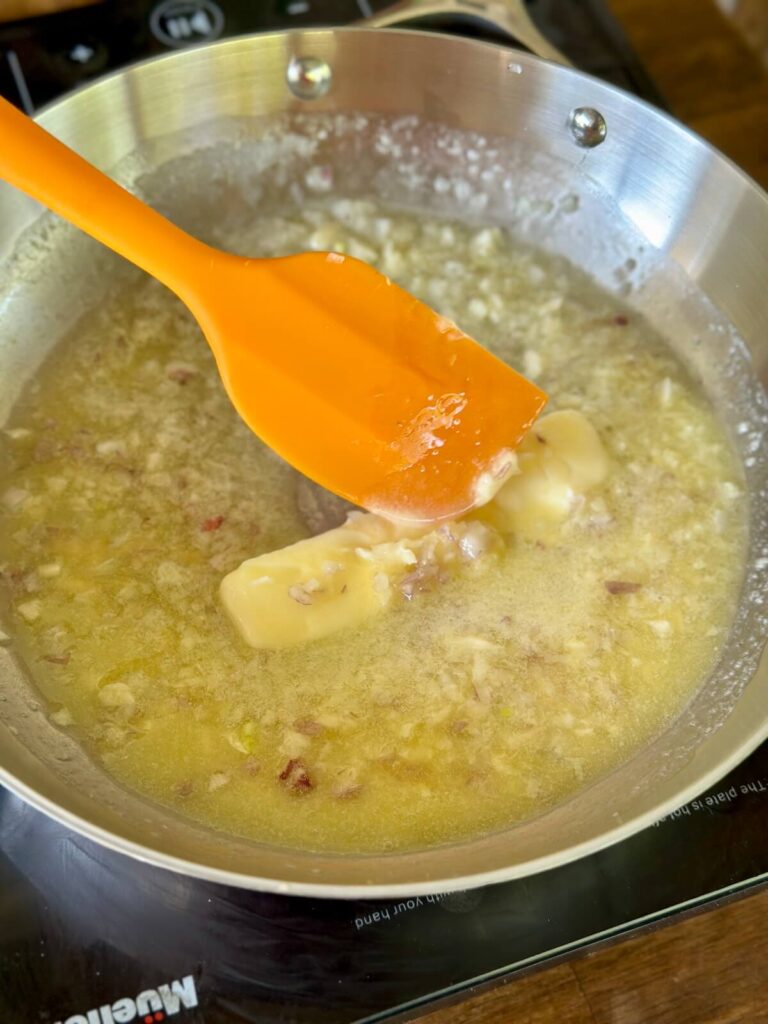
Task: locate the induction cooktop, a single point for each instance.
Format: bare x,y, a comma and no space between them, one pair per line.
89,936
43,57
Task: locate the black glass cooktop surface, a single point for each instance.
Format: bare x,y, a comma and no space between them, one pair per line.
88,936
40,58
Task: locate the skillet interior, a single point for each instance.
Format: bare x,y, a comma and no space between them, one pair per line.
638,214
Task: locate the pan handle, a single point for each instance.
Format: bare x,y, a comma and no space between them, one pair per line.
509,16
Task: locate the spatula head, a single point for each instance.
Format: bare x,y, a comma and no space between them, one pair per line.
360,386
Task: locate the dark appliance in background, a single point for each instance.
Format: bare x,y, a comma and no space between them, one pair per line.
43,57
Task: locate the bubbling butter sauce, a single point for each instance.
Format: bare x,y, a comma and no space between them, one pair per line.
485,682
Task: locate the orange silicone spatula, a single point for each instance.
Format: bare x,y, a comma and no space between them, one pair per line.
360,386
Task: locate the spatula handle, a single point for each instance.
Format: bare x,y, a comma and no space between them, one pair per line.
35,162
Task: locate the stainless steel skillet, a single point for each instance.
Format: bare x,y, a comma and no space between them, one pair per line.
572,164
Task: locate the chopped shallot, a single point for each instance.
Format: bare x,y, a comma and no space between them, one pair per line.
476,541
298,593
57,659
347,792
621,587
180,372
294,776
308,726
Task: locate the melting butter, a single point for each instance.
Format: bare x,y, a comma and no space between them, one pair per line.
342,577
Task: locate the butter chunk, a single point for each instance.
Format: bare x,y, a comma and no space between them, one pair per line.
560,458
339,579
318,586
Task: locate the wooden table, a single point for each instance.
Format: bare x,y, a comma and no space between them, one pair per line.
710,969
713,968
712,78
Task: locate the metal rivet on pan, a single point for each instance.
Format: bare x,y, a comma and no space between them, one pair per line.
587,126
309,78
